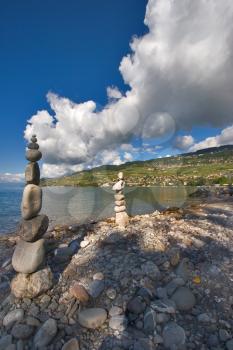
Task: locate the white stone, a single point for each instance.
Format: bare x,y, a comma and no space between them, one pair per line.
92,318
13,316
119,185
120,209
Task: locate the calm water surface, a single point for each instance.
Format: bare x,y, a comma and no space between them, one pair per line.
80,204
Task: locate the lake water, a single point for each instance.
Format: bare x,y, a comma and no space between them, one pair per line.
80,204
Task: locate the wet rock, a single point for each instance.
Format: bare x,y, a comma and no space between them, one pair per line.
118,322
136,305
72,344
21,331
184,299
13,316
33,229
79,292
173,335
31,201
28,257
32,285
32,173
92,318
45,334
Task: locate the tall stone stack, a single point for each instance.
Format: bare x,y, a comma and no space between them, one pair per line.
122,218
29,255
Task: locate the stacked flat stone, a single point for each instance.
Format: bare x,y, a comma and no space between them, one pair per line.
29,255
122,218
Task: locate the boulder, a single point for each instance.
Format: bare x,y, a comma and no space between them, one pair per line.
33,229
30,286
45,334
92,318
31,201
32,173
28,257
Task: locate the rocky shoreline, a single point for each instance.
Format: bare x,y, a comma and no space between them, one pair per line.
163,282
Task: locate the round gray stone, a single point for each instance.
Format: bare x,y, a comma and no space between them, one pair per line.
184,299
33,145
33,155
21,331
173,334
92,318
28,257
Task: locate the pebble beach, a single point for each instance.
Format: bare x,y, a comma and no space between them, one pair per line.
164,282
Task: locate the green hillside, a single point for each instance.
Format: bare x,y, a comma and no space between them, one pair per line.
205,167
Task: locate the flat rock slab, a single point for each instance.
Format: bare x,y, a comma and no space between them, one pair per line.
28,257
30,286
92,318
31,201
33,229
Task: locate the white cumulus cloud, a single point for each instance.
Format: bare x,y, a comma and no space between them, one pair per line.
224,138
179,75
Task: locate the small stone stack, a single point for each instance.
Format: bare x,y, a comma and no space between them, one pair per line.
122,218
29,255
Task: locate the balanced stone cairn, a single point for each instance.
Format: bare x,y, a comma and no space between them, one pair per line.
122,218
29,255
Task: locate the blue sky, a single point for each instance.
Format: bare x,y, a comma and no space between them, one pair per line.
70,47
77,49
